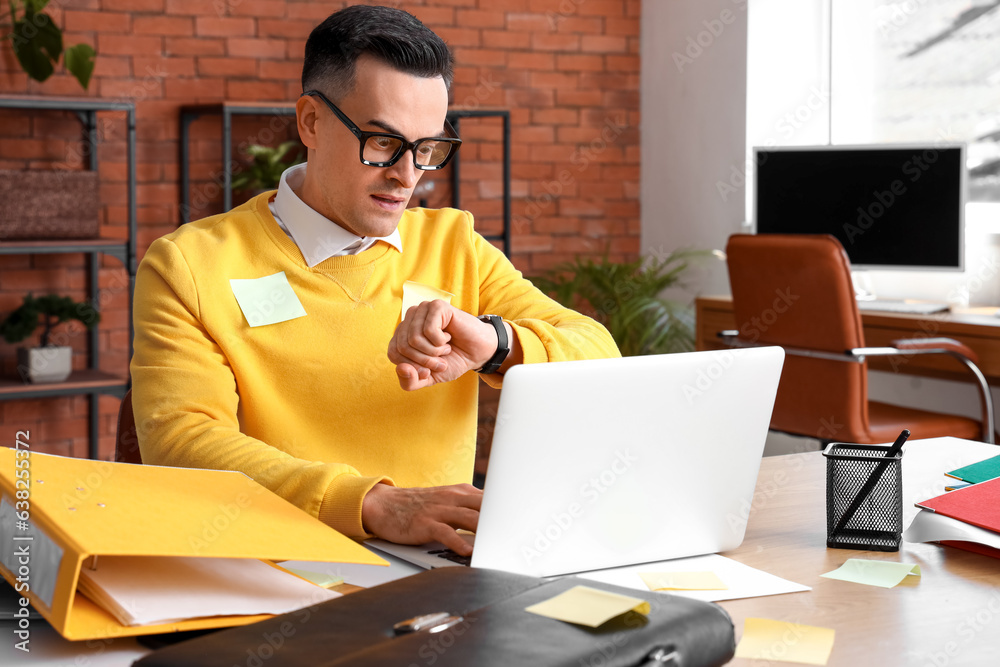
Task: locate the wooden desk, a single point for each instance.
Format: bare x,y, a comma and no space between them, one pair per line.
977,328
949,615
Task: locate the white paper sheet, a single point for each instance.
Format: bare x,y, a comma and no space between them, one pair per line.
933,527
157,589
743,581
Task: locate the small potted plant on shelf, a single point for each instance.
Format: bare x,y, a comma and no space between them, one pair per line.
48,362
264,172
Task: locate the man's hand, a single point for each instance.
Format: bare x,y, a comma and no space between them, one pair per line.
419,515
437,342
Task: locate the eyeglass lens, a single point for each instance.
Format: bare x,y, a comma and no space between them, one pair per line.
428,153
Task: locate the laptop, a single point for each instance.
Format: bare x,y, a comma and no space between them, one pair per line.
611,462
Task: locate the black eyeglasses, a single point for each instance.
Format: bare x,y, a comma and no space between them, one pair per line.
381,149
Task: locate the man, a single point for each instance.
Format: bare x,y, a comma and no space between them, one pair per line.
268,339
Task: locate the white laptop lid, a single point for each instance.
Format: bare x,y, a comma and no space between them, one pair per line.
610,462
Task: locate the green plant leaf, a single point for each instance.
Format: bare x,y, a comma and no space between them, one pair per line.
264,172
80,62
20,324
37,44
626,298
33,6
46,312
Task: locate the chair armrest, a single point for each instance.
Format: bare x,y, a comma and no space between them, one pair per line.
948,344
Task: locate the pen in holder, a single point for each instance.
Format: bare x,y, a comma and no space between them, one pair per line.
864,495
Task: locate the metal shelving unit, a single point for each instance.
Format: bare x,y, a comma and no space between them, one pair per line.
454,117
92,381
227,110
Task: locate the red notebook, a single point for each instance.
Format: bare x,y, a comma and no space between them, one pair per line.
978,505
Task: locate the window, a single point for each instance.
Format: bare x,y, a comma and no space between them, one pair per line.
873,71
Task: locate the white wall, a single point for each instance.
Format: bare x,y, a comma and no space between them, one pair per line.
693,128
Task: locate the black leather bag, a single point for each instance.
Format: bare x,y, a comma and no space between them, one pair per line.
494,629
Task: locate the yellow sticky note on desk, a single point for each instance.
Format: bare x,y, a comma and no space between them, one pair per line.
882,573
765,639
683,581
415,293
319,578
588,606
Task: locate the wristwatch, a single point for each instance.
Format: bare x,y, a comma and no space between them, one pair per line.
503,348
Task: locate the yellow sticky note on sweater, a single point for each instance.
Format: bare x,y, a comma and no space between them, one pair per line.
267,300
416,293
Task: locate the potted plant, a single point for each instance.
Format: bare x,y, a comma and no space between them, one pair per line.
38,43
264,172
48,362
626,297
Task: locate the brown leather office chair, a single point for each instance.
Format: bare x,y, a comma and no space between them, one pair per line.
127,439
795,291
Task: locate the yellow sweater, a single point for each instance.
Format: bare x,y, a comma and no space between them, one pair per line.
311,407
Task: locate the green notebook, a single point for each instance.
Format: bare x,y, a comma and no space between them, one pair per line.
978,472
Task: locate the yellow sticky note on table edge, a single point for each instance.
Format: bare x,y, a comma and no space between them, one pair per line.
683,581
882,573
415,293
588,606
267,300
319,578
766,639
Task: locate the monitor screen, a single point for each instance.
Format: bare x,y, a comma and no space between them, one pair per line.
890,206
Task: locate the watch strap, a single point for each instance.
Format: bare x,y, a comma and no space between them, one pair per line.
503,345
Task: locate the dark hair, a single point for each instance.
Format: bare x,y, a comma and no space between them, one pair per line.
395,37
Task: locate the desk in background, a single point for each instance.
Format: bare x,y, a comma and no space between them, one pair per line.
979,331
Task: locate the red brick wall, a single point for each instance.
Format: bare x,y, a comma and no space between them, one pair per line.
568,71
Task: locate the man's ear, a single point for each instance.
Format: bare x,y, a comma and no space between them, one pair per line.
306,116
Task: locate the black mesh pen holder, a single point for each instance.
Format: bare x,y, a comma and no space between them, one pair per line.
864,497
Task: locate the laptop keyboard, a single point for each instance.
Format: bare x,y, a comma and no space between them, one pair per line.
448,554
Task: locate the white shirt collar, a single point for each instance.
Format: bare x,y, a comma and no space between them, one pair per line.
317,237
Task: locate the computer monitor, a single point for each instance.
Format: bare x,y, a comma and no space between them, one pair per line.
891,206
